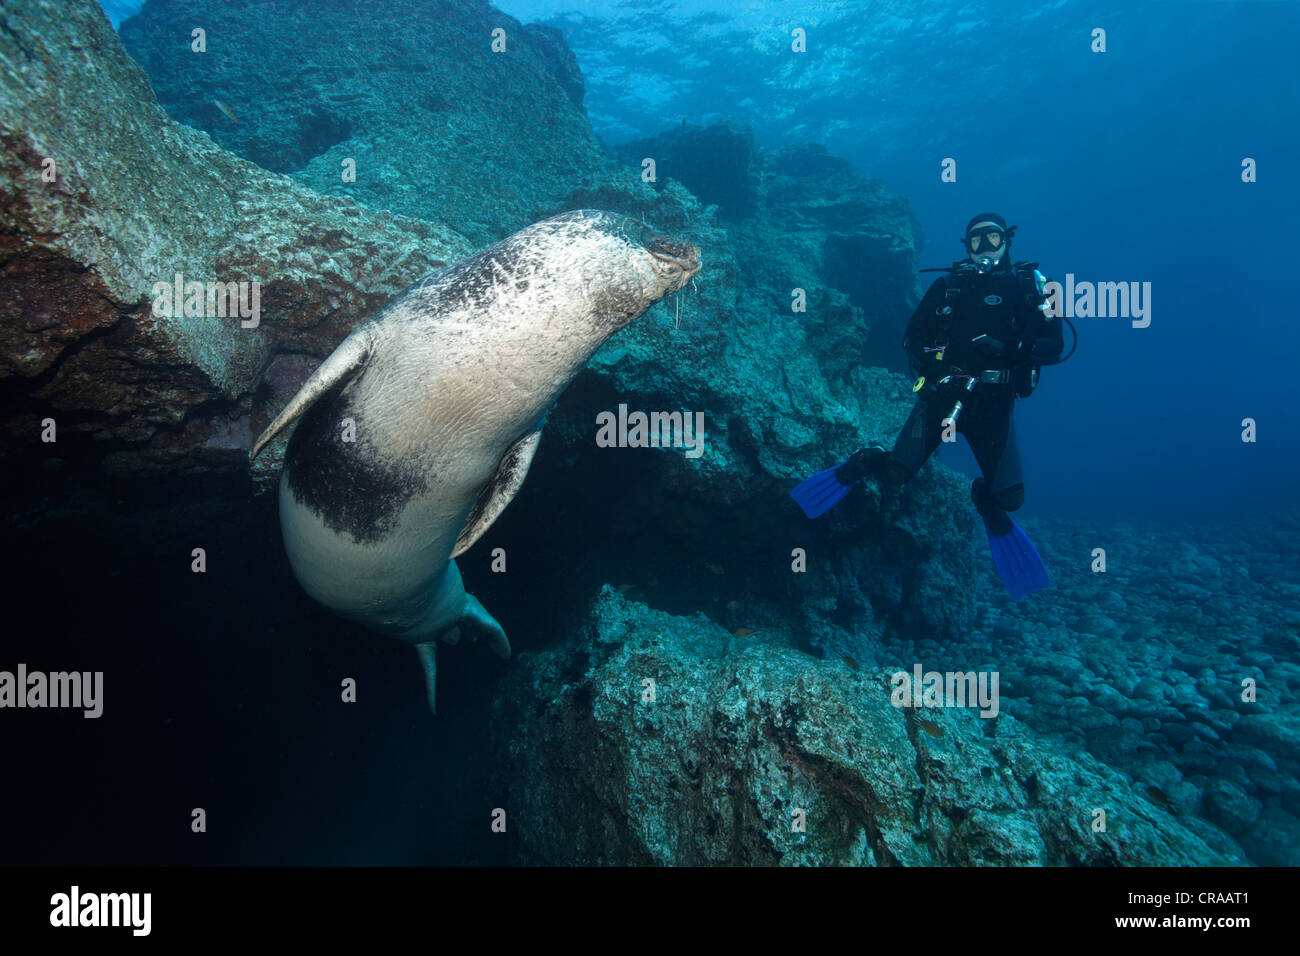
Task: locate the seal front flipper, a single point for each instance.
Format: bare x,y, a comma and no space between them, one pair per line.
342,365
496,494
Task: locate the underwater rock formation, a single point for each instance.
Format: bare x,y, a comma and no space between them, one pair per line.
151,198
1144,672
133,199
783,393
717,163
744,732
1148,666
858,237
140,199
440,125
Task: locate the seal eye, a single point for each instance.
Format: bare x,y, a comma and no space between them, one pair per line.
683,255
662,247
656,242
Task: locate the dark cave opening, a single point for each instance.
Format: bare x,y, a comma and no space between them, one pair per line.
589,516
317,132
223,687
287,150
862,265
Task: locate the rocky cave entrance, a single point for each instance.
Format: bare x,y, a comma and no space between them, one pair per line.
589,516
317,132
860,266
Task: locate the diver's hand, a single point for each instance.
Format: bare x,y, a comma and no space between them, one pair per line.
947,389
990,347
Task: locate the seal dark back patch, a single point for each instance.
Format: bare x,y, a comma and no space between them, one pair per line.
346,482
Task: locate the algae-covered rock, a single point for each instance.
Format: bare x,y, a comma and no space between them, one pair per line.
766,344
104,196
783,392
448,111
650,738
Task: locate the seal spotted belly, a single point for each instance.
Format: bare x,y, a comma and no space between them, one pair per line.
418,430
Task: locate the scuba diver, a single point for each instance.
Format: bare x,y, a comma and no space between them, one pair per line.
977,342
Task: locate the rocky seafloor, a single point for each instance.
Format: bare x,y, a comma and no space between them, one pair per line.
1121,691
1137,678
1182,667
748,751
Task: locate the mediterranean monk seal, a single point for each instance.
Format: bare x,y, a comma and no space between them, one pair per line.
419,428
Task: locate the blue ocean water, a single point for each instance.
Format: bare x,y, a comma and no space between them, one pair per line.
1117,166
1121,166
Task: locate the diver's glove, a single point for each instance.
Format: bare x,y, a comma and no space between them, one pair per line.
860,464
992,348
946,389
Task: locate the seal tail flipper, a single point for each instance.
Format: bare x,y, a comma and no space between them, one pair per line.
428,652
1019,565
820,493
477,619
475,615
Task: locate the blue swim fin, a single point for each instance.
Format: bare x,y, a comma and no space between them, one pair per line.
1017,560
820,493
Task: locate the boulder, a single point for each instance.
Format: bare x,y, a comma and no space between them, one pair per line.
104,197
441,117
655,739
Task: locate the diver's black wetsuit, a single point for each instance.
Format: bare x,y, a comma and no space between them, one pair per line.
1003,305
